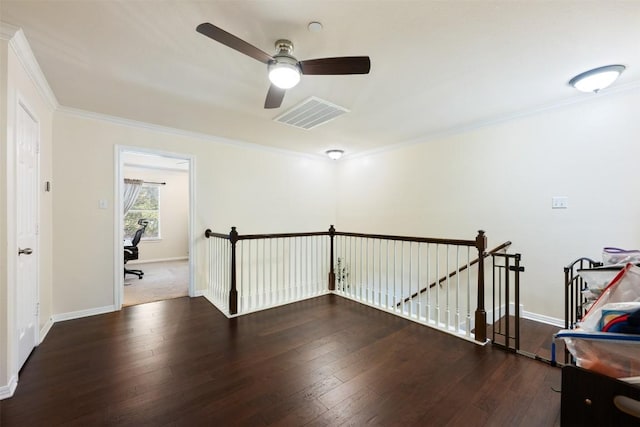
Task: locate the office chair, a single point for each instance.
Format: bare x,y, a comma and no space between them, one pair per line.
131,252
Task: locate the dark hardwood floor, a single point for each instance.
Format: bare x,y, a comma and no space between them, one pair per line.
321,362
535,337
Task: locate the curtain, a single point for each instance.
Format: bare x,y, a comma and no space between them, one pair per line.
131,190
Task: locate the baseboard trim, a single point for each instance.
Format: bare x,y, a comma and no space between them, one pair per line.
553,321
438,327
6,391
82,313
503,309
149,261
45,329
324,292
199,293
541,318
212,301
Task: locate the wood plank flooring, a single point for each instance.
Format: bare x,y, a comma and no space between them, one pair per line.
535,337
326,361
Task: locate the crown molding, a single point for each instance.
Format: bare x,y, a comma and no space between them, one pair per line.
185,133
584,98
19,44
7,31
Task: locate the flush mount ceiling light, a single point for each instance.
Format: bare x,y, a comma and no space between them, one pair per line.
284,70
334,154
597,79
314,26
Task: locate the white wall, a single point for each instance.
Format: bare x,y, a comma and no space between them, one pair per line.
501,178
174,214
257,190
17,82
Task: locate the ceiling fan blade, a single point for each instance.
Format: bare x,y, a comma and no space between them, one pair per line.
274,97
228,39
333,66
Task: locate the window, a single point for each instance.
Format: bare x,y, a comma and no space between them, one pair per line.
147,206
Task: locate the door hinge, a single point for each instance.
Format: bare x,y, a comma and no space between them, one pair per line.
37,309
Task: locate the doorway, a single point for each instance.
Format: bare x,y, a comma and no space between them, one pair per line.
154,221
28,204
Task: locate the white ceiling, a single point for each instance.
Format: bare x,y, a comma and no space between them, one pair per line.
437,66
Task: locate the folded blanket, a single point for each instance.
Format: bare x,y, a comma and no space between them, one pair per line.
621,322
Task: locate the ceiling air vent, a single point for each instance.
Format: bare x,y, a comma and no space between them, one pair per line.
310,113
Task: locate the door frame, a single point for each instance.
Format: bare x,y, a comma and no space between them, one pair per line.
21,102
119,217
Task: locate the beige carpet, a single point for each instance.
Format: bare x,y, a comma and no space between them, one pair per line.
161,280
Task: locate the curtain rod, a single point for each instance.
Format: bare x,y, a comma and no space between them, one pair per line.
156,183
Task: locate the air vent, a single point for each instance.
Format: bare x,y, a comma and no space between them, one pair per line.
311,113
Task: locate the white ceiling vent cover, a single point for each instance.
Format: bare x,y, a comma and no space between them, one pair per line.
310,113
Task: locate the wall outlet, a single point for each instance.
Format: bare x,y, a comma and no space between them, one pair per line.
559,202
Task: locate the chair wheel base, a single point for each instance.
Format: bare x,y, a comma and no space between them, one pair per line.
138,273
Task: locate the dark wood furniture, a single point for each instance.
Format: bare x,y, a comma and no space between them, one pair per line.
589,399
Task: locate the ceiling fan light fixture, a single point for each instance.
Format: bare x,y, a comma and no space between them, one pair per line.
335,154
597,79
284,75
284,70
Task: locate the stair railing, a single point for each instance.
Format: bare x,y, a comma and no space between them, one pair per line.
458,270
266,270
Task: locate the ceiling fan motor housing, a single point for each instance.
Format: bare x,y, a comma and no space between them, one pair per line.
284,49
284,46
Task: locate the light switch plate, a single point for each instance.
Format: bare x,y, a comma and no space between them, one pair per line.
102,204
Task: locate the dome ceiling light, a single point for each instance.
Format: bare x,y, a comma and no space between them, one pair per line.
597,79
335,154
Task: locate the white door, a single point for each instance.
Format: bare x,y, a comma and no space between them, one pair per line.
27,142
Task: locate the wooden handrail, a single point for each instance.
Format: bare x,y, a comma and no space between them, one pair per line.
281,235
458,242
453,273
208,233
480,243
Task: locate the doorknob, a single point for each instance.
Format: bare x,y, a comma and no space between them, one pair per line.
25,251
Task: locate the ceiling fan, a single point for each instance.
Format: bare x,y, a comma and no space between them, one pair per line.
284,69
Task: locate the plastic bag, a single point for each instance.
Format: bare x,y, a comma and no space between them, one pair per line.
613,256
624,288
599,353
598,278
613,354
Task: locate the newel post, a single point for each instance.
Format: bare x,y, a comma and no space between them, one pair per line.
233,292
481,314
332,273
